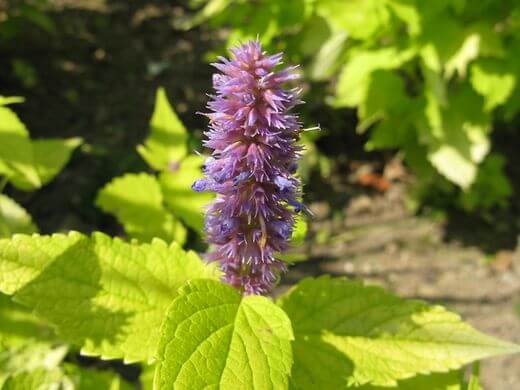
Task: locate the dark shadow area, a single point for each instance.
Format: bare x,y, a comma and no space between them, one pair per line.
96,78
499,228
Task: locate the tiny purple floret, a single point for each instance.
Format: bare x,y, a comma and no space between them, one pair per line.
253,136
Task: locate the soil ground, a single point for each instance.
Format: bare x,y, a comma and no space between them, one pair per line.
96,77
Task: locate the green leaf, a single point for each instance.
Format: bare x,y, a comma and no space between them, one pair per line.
474,381
467,52
493,80
146,377
385,98
298,237
456,136
16,156
14,218
408,12
105,295
491,187
137,202
438,381
49,158
39,379
362,19
6,100
212,8
179,197
444,40
215,338
325,61
299,231
18,326
348,334
166,145
354,79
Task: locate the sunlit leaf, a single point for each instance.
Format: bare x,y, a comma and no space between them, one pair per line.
347,334
166,144
355,75
49,158
180,198
102,294
14,218
213,337
16,155
137,202
494,80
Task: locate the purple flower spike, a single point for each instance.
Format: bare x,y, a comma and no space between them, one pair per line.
253,137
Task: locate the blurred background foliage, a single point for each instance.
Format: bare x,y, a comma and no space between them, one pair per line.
431,80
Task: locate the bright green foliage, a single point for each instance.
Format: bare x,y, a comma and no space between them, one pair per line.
215,338
452,380
103,294
154,303
474,380
354,80
16,159
348,334
137,202
298,237
6,100
14,218
494,81
25,163
153,207
180,198
166,144
427,77
49,158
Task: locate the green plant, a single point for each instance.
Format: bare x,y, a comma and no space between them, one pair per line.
26,164
161,205
427,78
155,303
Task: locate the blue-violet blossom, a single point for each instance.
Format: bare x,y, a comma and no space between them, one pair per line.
252,168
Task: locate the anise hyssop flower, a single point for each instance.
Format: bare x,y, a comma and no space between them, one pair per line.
252,168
